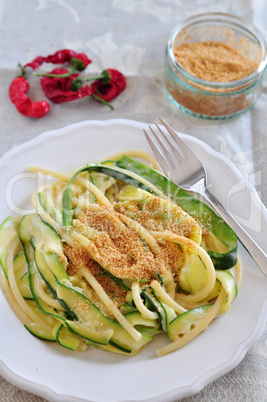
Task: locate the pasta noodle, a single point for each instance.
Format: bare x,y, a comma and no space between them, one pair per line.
110,260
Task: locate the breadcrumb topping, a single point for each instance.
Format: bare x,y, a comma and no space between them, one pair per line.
120,251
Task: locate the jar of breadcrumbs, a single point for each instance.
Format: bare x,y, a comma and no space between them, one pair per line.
215,65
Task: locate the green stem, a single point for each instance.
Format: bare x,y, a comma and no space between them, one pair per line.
104,76
22,71
96,77
102,101
71,71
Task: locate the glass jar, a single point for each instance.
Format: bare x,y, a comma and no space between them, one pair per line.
210,99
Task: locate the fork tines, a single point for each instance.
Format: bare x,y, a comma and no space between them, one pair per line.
167,148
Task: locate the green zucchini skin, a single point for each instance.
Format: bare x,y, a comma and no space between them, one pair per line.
7,230
39,332
65,338
186,321
73,323
50,281
109,171
89,324
24,287
165,313
194,207
26,234
229,284
112,332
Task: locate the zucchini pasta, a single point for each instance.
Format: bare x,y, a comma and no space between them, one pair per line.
114,255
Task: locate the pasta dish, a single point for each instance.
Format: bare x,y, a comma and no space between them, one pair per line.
114,255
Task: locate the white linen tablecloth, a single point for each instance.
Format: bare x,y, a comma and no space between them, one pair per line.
131,35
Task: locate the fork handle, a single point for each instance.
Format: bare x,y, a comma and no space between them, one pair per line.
258,255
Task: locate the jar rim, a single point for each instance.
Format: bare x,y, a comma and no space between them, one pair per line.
234,21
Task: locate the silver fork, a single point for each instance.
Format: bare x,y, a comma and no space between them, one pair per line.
182,166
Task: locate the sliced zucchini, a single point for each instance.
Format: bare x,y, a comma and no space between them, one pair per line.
136,318
98,179
24,287
166,313
112,349
195,208
166,212
215,291
29,232
55,265
40,332
125,342
50,280
65,338
229,284
47,203
20,264
8,232
20,268
91,331
36,231
93,325
41,245
186,321
193,274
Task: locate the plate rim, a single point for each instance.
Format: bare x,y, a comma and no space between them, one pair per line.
242,349
60,131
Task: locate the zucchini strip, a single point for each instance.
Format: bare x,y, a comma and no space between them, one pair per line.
13,302
29,313
206,260
134,153
110,305
141,176
39,287
194,207
88,276
166,298
201,326
146,313
115,172
115,254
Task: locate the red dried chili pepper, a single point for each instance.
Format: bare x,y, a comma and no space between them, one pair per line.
60,57
18,95
79,61
67,89
108,85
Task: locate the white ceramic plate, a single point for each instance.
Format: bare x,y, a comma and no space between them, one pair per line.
61,375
